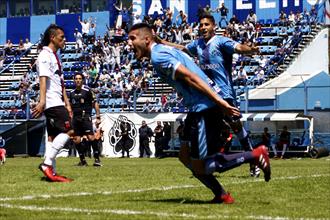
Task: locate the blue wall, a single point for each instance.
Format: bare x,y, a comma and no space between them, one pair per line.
3,30
39,25
18,28
102,19
69,22
31,27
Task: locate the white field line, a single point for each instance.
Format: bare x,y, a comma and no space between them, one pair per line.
159,214
143,213
167,188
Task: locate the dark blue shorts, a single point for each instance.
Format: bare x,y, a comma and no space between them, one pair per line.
57,120
203,131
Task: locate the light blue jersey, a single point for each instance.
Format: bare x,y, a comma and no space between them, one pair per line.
215,59
165,61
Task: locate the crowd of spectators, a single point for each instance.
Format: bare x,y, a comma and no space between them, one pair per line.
113,72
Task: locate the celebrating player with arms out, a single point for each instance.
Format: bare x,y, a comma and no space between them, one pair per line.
203,122
215,55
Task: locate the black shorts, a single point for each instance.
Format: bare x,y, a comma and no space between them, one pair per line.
57,120
203,130
82,125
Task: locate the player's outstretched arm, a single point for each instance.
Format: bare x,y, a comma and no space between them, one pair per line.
177,46
244,49
196,82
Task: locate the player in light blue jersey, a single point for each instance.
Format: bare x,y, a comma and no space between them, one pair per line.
206,110
215,55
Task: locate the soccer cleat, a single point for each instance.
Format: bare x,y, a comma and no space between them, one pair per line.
2,156
47,171
82,163
262,161
97,163
252,169
63,179
256,172
224,198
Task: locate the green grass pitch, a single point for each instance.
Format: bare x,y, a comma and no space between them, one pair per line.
162,189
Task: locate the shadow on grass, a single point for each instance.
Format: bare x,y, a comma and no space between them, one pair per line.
181,201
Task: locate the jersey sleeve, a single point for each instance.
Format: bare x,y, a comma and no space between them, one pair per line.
44,64
192,47
166,62
227,44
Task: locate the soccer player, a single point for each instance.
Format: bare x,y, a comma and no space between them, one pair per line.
53,100
83,100
203,122
215,55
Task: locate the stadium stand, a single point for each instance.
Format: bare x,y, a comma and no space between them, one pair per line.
122,84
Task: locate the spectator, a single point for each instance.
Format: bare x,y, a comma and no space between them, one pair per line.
259,76
163,101
168,17
146,106
283,19
8,48
79,40
207,10
157,106
145,133
292,19
305,17
2,60
223,13
126,16
167,134
284,141
85,26
234,20
251,18
125,140
266,138
200,11
137,19
241,76
27,44
181,19
180,131
313,15
158,131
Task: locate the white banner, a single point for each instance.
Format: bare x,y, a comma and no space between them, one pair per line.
111,127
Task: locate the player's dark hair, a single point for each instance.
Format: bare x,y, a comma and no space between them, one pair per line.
79,74
51,30
141,26
207,16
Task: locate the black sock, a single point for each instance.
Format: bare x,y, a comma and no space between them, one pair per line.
96,150
81,151
210,182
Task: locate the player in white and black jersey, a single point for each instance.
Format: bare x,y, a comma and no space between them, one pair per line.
53,100
83,100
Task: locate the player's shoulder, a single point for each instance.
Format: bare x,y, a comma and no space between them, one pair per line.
160,52
86,88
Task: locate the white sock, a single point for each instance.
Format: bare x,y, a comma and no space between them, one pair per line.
274,149
58,142
284,149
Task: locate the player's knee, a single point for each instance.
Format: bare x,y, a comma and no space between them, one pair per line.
91,137
76,139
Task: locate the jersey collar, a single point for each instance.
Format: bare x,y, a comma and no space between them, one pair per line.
212,39
47,49
152,45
